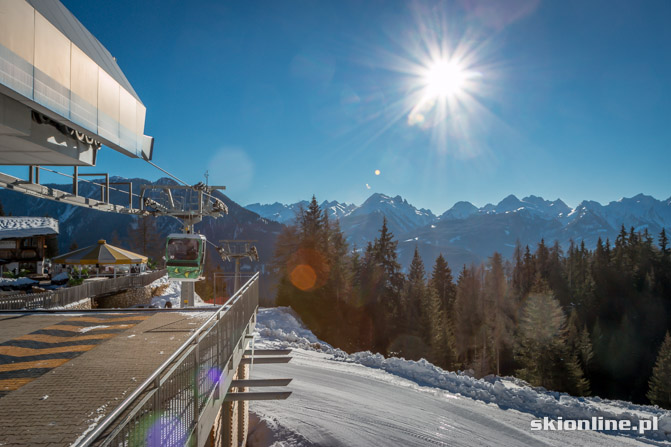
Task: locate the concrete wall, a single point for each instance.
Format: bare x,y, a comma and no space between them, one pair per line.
128,298
84,304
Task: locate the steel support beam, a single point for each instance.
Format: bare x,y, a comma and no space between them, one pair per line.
276,395
268,352
43,192
251,383
264,360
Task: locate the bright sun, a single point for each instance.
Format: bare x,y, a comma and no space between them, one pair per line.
444,79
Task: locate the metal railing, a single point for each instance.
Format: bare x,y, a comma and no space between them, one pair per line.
69,295
166,408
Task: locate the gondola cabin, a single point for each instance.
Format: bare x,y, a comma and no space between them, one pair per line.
185,256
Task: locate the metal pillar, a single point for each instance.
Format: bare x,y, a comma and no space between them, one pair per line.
188,293
75,181
236,282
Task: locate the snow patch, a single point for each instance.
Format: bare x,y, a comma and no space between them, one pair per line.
172,293
23,281
90,328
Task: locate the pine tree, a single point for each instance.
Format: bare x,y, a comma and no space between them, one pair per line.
579,341
498,310
518,270
443,349
543,260
382,285
115,239
469,324
384,253
663,243
415,299
144,237
660,383
340,278
529,271
442,282
542,349
311,220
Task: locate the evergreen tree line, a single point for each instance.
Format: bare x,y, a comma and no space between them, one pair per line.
583,322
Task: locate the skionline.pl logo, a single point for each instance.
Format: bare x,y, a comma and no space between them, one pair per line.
595,423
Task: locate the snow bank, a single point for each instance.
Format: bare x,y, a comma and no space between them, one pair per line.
75,305
282,328
171,293
282,324
265,431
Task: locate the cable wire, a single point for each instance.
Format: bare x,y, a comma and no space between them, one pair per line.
166,172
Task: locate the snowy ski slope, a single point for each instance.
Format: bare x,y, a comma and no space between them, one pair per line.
366,400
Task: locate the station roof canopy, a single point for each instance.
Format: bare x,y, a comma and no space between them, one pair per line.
59,16
20,227
62,93
100,253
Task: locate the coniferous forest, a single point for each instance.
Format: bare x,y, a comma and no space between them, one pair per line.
586,322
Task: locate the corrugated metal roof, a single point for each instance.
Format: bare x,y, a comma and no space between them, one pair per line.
16,227
59,16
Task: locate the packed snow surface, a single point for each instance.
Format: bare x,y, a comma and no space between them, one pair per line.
366,399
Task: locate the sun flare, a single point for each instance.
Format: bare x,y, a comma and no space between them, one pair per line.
444,78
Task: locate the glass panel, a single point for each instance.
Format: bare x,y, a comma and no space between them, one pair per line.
182,249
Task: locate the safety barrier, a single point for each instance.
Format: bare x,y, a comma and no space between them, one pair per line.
68,295
169,408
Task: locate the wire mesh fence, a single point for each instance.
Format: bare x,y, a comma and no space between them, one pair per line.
166,408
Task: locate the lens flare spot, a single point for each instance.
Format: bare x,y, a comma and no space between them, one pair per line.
157,430
415,118
209,377
303,277
377,172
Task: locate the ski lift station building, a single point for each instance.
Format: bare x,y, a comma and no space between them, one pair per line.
62,94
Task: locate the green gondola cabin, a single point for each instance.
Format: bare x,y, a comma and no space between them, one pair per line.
185,256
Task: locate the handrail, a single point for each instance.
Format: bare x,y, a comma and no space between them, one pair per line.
68,295
107,422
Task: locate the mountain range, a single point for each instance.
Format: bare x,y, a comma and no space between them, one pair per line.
467,234
464,234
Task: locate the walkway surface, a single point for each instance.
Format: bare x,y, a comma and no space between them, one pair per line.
60,374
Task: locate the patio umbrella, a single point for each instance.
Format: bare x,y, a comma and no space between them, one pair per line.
101,253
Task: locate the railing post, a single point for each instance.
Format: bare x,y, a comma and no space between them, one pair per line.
107,188
196,404
157,406
75,181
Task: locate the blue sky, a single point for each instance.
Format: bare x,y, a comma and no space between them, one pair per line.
282,100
